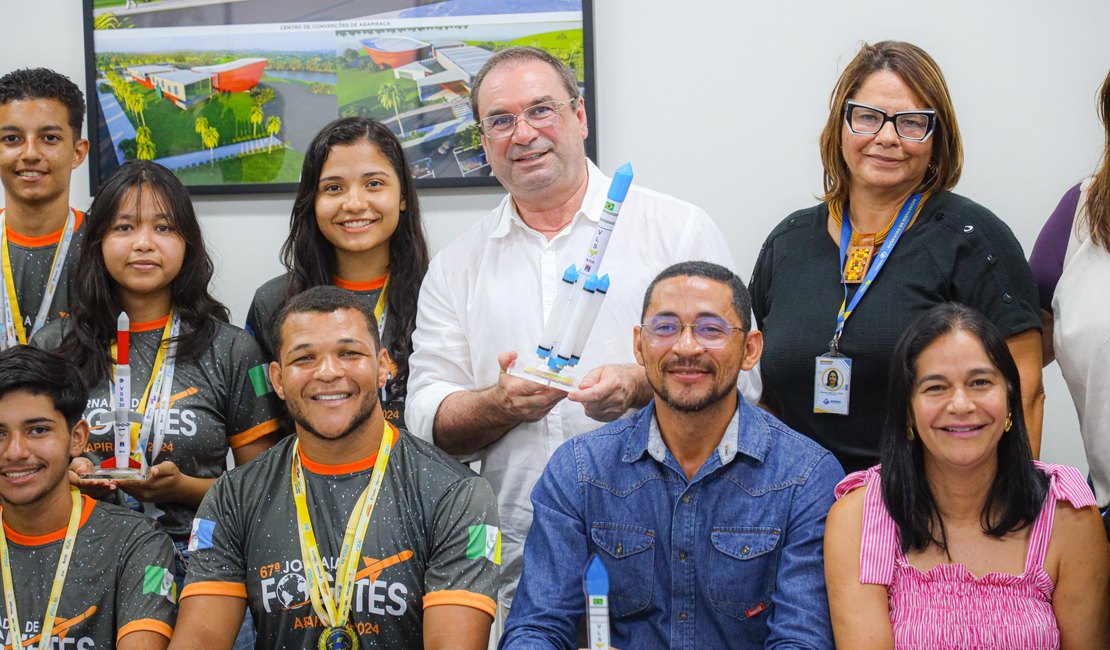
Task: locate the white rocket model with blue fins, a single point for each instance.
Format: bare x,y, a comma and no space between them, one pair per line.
124,463
578,299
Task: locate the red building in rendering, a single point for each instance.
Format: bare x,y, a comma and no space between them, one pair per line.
236,76
394,51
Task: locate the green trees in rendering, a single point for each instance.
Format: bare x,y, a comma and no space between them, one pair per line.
256,116
273,125
392,98
210,137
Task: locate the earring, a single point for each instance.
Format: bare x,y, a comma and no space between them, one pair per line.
909,431
1009,423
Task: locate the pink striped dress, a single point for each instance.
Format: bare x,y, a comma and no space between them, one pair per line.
948,607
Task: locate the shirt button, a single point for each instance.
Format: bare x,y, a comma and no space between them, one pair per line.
682,555
682,616
745,550
686,498
1007,298
620,549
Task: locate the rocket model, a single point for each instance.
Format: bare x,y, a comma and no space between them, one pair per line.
596,585
122,463
579,298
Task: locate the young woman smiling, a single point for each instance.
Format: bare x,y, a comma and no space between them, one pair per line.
145,255
355,224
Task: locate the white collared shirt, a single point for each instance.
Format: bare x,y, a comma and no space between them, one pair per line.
490,291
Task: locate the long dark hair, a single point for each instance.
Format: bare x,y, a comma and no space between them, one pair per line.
1018,489
95,304
1098,195
310,257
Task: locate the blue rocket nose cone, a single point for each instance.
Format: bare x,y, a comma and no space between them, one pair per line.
622,179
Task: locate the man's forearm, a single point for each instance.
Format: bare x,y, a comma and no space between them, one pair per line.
469,420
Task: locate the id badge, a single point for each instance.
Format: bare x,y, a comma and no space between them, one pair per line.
832,381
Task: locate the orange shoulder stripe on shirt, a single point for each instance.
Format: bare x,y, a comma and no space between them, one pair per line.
346,468
233,589
39,540
145,625
45,240
252,434
459,597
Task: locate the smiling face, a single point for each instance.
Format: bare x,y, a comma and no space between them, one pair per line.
358,200
36,446
329,372
534,165
142,250
38,151
959,404
883,164
686,376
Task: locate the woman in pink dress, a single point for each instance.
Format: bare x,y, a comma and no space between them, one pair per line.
962,540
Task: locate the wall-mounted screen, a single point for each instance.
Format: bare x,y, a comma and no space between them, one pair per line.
229,93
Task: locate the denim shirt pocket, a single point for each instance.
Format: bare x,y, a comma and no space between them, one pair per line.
630,560
742,570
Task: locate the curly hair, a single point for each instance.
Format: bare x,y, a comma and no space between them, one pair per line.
43,83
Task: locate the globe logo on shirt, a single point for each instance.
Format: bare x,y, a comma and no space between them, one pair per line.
292,591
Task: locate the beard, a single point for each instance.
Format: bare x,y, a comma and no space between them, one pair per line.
695,402
361,417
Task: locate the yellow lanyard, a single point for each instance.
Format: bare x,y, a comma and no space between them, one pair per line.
52,279
159,361
333,611
59,579
379,309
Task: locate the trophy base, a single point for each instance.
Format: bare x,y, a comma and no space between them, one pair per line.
535,369
119,474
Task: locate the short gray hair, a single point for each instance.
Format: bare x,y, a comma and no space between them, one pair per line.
522,53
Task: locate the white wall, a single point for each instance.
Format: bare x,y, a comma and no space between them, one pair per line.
722,104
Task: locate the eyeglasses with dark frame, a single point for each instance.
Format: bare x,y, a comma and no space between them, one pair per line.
537,116
916,126
710,332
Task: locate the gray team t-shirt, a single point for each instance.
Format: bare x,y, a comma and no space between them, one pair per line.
120,580
268,300
31,262
426,544
220,400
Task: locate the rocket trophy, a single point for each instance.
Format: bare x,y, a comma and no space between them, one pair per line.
596,585
125,463
577,303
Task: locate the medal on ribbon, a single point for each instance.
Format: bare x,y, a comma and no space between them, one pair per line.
338,638
335,610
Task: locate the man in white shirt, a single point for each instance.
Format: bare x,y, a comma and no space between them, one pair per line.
488,293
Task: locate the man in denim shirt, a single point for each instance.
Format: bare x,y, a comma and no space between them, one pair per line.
708,513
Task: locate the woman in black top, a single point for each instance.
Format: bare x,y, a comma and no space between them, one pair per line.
889,227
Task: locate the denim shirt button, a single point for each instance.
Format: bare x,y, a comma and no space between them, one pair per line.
745,550
682,555
686,498
620,549
682,615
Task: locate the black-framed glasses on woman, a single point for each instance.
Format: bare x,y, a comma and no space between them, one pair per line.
909,125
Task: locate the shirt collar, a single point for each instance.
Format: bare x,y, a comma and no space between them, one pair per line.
597,185
746,433
726,449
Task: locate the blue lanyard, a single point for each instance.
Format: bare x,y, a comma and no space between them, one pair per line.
908,208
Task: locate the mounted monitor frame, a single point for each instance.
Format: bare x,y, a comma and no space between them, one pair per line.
229,93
